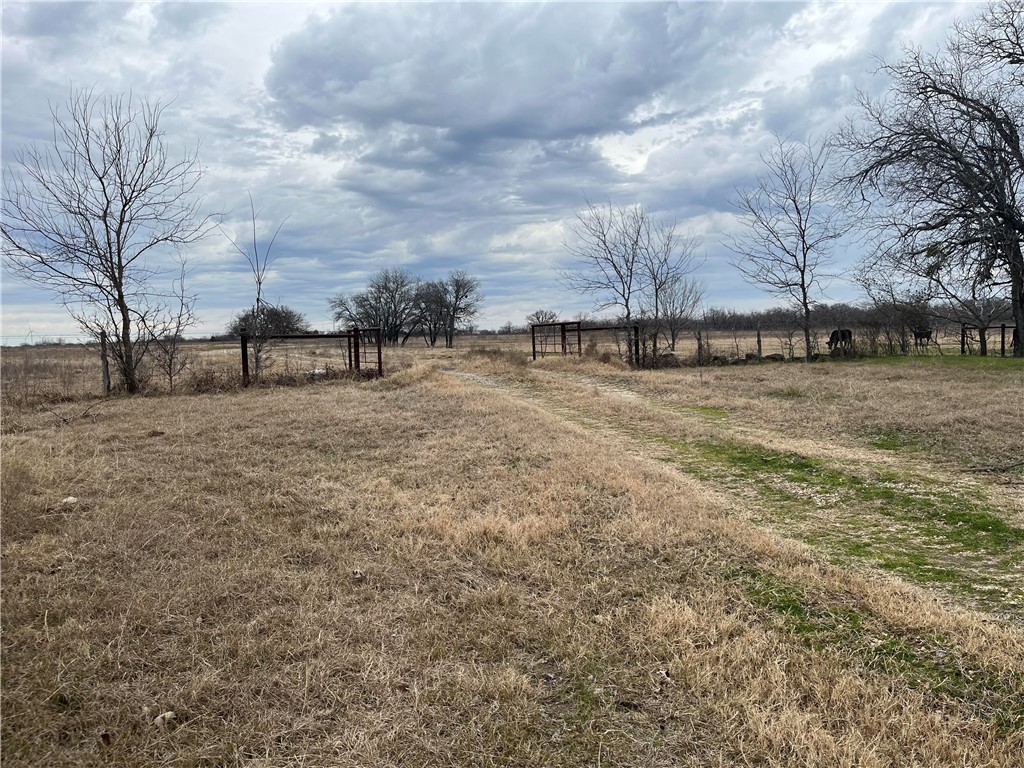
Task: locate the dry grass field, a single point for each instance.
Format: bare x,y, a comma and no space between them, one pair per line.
478,561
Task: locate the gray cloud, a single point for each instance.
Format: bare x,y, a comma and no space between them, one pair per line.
180,18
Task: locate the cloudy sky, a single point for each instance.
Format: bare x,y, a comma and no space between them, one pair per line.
436,136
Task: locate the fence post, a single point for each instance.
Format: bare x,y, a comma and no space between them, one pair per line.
355,343
963,339
562,330
1002,340
636,344
245,357
104,363
579,339
758,343
533,341
380,354
700,348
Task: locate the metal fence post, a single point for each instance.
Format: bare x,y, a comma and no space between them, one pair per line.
356,350
380,353
245,358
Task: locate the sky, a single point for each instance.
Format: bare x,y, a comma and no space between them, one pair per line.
437,136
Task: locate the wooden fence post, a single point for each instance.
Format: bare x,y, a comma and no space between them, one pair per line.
104,363
700,348
1002,340
963,339
758,343
533,340
245,357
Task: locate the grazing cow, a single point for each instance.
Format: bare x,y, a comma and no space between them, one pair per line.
922,337
841,338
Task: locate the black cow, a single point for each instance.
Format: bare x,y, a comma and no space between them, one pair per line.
922,337
841,338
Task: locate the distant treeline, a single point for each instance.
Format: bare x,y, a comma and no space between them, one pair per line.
837,315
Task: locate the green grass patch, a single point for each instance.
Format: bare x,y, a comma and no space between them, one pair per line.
893,439
900,523
786,393
932,661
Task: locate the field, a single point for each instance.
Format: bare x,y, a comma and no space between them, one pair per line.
480,561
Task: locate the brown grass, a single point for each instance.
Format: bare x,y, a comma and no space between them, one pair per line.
426,571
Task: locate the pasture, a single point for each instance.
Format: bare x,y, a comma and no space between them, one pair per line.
483,561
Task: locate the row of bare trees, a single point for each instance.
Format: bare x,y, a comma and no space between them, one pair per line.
637,265
402,305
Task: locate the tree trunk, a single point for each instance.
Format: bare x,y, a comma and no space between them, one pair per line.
128,362
807,331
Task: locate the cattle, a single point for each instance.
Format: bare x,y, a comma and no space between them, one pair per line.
922,337
841,338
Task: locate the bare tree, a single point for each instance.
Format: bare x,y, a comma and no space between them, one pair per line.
463,300
89,214
431,310
263,315
630,262
669,291
944,157
541,316
276,320
681,298
389,302
606,245
792,222
168,332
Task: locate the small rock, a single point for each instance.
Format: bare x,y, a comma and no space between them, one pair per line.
69,500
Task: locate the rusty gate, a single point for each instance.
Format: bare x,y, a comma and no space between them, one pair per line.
364,349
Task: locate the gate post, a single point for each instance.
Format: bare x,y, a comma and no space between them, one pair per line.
245,358
355,343
1002,340
561,328
380,354
758,343
533,341
963,339
579,339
